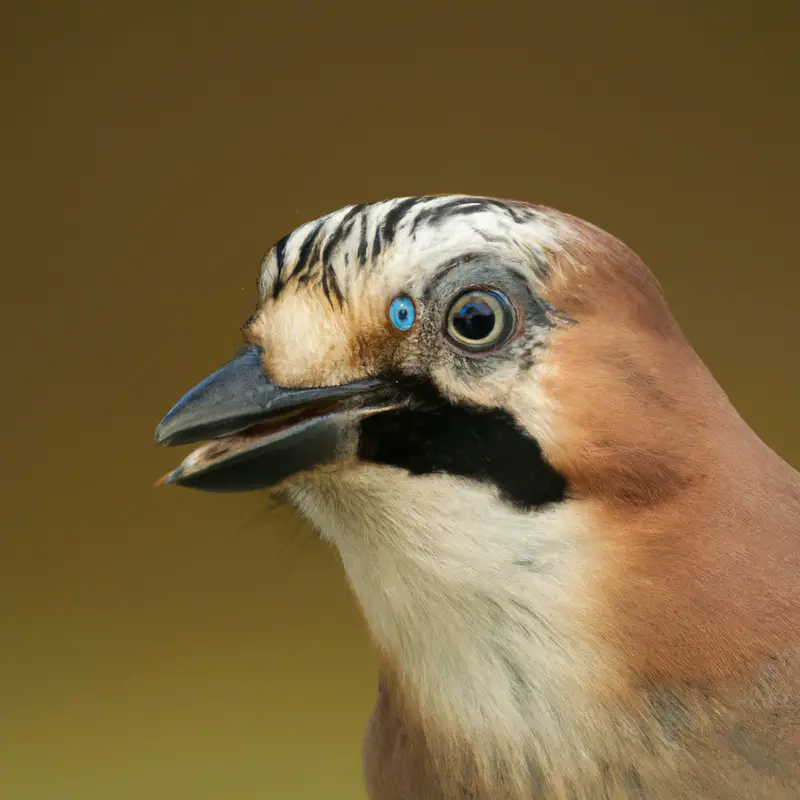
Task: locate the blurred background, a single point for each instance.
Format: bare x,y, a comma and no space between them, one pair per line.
166,644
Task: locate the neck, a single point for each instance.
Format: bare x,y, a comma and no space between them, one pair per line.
494,680
480,612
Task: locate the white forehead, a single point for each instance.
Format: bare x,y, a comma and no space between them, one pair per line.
400,241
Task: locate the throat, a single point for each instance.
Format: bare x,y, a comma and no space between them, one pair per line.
479,608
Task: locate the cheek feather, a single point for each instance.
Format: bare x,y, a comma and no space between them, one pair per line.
573,555
679,490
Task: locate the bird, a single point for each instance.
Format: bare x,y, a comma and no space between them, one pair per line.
580,566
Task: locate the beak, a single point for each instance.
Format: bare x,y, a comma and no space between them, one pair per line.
257,434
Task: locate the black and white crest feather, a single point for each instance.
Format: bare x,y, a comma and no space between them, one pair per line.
402,235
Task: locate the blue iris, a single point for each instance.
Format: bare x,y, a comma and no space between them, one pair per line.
402,313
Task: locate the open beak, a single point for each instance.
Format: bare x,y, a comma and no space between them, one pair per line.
256,434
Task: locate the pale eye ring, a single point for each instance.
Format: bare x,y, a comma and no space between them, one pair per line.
480,319
402,312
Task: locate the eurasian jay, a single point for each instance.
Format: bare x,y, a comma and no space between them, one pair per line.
579,564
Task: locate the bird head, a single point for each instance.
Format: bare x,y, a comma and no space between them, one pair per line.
489,410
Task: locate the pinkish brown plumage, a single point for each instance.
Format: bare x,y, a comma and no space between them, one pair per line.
580,566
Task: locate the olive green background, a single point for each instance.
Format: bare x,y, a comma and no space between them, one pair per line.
167,644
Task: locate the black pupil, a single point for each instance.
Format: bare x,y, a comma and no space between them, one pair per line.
402,313
474,320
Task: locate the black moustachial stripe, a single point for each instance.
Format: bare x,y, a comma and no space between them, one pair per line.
435,436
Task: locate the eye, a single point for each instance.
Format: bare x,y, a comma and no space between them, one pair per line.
402,313
480,320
